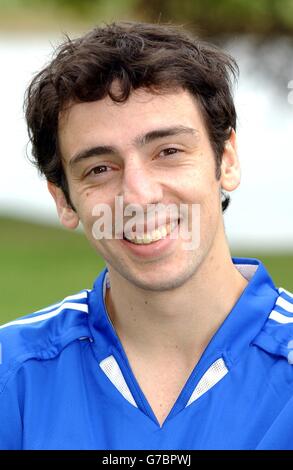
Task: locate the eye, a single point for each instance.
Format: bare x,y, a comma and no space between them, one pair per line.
97,170
168,151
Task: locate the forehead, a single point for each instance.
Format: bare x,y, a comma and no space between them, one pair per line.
110,123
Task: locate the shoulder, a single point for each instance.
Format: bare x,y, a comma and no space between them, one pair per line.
276,336
42,334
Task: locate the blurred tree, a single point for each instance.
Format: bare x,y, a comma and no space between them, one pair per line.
214,17
208,17
76,11
77,8
80,7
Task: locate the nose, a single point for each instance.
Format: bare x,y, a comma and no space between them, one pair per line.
140,184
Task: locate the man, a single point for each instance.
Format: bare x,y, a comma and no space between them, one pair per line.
177,346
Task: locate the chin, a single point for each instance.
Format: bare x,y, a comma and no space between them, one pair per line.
164,281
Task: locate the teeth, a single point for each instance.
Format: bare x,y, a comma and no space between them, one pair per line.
153,236
163,230
173,225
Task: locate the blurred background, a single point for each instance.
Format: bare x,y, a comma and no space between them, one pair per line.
40,262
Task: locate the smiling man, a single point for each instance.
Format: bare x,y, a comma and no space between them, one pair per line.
177,346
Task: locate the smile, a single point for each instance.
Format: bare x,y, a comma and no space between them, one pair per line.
153,236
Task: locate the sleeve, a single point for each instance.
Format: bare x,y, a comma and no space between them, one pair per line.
10,417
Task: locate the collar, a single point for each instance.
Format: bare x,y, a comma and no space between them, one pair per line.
236,333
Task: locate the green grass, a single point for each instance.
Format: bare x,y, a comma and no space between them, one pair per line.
42,264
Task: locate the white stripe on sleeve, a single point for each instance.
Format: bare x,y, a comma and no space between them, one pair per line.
280,318
46,316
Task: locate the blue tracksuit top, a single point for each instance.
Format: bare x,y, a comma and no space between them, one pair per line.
66,383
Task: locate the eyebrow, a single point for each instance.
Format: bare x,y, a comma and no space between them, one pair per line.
165,132
139,141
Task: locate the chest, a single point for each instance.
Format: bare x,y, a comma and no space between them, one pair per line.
84,410
161,384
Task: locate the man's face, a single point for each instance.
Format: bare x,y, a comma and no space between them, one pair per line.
152,149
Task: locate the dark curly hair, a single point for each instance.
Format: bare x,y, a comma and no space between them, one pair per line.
153,56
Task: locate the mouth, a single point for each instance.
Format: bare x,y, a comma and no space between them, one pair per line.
148,238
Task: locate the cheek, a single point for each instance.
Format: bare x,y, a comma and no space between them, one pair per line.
96,217
210,213
204,190
86,208
200,187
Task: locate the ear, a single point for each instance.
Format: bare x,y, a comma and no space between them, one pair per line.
67,216
230,168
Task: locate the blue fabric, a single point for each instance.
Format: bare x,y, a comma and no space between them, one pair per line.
54,394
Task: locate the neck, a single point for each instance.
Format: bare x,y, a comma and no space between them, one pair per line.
181,321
